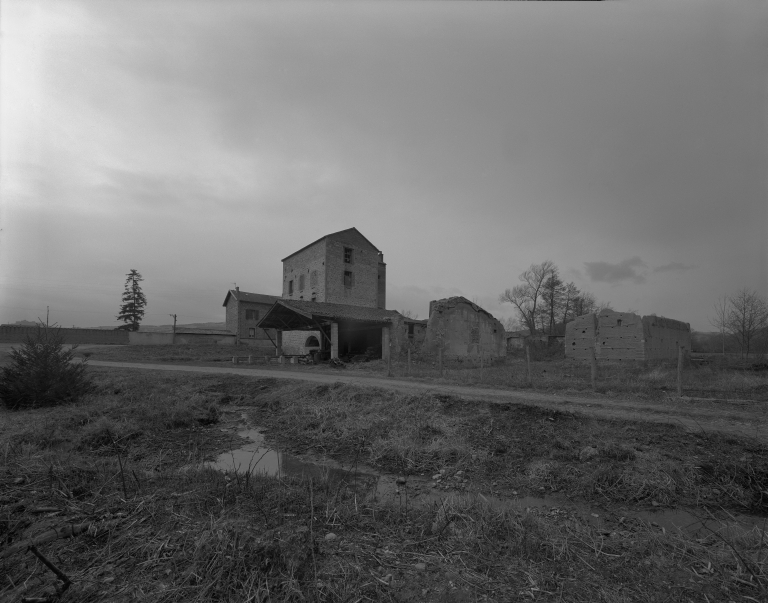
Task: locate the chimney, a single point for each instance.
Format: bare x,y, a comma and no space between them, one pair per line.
237,288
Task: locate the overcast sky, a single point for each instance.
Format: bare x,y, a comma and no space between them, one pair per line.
201,142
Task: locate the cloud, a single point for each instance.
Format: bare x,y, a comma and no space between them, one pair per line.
674,266
626,270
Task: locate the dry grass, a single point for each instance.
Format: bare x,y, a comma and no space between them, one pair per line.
200,535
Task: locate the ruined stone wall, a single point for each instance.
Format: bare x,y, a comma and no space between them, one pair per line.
580,337
619,336
663,336
310,264
625,336
401,340
465,329
364,268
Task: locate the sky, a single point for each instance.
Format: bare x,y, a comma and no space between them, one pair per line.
201,142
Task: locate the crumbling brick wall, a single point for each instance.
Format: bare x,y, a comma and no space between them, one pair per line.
580,337
663,336
619,336
463,329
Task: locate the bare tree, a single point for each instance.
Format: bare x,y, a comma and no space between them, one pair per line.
552,297
409,314
720,319
527,296
568,302
512,324
747,317
585,303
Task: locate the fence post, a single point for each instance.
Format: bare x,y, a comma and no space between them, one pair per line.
234,359
593,362
409,360
528,361
680,371
250,359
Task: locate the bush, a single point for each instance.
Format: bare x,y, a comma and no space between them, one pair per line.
41,373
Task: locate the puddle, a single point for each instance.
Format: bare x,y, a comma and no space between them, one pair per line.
258,458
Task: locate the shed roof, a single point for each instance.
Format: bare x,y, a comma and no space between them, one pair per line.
333,234
293,314
258,298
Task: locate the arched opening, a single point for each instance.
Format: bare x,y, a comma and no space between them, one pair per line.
311,342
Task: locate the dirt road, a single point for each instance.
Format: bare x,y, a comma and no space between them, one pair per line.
742,419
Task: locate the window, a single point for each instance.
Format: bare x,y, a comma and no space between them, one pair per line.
311,342
348,279
290,287
313,278
301,283
314,297
410,331
251,332
251,315
347,255
475,334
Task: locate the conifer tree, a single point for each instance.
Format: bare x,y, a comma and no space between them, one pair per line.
133,302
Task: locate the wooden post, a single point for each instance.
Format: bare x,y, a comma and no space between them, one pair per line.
528,361
250,359
680,353
409,360
234,359
593,362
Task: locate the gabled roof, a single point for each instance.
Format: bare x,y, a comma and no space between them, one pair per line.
258,298
330,235
293,314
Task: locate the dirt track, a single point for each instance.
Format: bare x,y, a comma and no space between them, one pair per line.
743,419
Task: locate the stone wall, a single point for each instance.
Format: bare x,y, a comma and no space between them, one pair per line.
464,329
19,334
625,336
308,263
317,272
295,342
364,268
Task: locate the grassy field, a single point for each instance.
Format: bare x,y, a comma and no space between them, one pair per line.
720,379
124,470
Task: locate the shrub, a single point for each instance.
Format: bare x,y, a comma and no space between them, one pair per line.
41,373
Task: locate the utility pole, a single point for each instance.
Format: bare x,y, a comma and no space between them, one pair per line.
47,312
